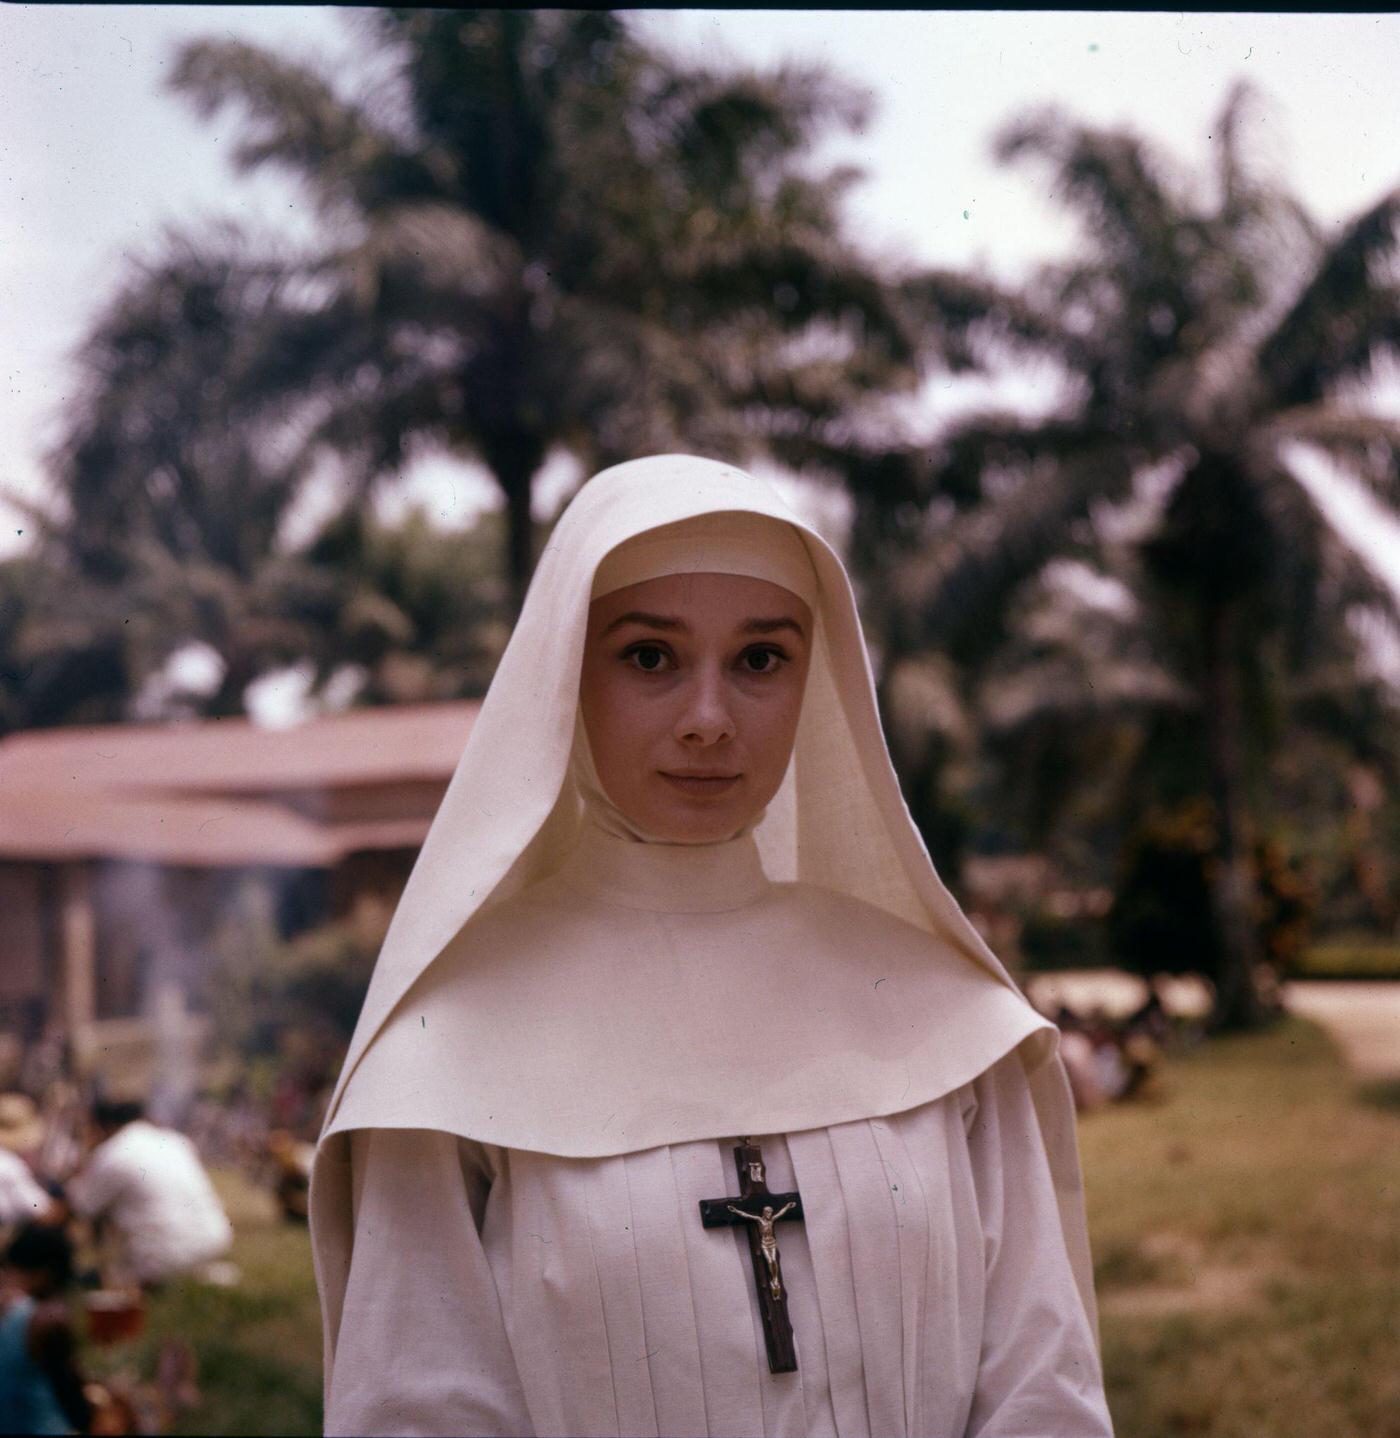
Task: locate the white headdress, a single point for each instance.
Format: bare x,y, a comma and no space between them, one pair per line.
511,816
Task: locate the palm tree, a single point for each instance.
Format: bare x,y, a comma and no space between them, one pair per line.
178,476
180,465
541,234
945,536
1207,334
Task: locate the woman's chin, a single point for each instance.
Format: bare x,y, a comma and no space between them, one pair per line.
695,827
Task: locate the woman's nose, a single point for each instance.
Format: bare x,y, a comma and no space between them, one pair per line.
706,716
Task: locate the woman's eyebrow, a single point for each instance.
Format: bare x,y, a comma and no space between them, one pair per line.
652,621
771,626
670,622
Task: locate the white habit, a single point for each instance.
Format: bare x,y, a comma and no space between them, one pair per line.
929,1285
929,1295
570,1028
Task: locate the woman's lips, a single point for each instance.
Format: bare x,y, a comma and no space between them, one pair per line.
691,785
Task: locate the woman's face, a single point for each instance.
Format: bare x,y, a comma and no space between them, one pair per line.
691,689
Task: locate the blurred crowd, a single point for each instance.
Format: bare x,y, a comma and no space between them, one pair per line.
1111,1059
101,1207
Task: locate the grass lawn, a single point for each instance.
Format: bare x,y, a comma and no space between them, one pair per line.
1246,1232
1247,1242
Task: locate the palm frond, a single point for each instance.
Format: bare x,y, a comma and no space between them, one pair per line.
981,447
1366,445
955,597
430,264
1342,314
1118,184
967,320
1317,578
295,119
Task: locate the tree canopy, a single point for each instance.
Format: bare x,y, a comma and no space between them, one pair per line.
539,233
1202,333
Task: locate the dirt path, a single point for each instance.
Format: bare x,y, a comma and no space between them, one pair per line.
1363,1018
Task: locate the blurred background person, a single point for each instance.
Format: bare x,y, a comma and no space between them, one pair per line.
22,1197
147,1189
41,1389
1077,1051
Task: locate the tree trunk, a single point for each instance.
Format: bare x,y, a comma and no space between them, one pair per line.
228,700
514,458
520,539
1232,896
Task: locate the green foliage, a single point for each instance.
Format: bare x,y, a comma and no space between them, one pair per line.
65,655
414,610
1200,333
322,977
179,464
179,437
540,232
1162,920
1048,942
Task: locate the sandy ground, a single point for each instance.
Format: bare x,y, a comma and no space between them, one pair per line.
1364,1018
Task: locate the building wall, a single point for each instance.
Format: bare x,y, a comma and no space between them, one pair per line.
24,968
149,921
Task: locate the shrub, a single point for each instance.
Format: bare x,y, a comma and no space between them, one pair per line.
1350,956
1161,920
1049,942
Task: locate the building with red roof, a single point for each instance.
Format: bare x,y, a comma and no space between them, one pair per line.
120,845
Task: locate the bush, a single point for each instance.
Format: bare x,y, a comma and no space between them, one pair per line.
1358,956
1049,943
1161,920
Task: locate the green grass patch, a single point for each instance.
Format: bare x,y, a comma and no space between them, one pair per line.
1246,1232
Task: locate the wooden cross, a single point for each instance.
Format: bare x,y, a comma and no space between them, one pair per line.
761,1211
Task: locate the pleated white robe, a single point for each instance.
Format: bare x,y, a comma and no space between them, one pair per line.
502,1291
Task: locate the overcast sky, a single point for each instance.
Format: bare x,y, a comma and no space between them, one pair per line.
95,159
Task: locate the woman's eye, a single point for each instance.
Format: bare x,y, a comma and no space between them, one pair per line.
764,661
647,657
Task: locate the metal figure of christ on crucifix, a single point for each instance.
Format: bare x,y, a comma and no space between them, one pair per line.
761,1211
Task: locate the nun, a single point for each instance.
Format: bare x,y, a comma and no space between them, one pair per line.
685,1099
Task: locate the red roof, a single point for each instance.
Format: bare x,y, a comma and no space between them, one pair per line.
361,746
173,793
37,825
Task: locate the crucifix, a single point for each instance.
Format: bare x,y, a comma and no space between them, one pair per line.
761,1211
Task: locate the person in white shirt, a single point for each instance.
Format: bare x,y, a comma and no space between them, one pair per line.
22,1197
148,1184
